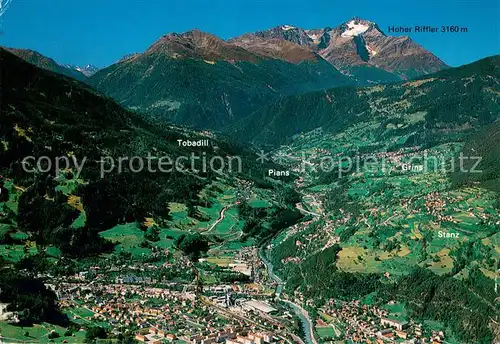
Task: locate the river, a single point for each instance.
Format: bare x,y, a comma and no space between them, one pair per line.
299,311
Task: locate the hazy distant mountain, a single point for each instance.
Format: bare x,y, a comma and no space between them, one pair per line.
357,48
198,79
86,70
45,62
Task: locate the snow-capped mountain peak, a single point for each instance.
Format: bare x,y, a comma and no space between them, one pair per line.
87,70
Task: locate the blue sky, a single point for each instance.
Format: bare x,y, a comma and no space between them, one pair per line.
102,31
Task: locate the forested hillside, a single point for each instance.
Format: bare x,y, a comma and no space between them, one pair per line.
79,124
454,101
484,150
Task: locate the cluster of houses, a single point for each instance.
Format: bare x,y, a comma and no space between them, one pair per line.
435,205
232,337
174,314
361,320
155,336
127,306
371,324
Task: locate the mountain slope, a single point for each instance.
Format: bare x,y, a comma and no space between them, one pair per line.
276,48
44,62
456,100
200,80
360,43
484,150
79,126
199,45
288,33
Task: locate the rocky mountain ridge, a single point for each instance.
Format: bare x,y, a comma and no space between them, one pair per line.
358,48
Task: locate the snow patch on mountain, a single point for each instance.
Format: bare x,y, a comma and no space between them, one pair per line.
314,37
287,27
354,29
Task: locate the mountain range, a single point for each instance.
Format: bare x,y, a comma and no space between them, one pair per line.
200,80
358,48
